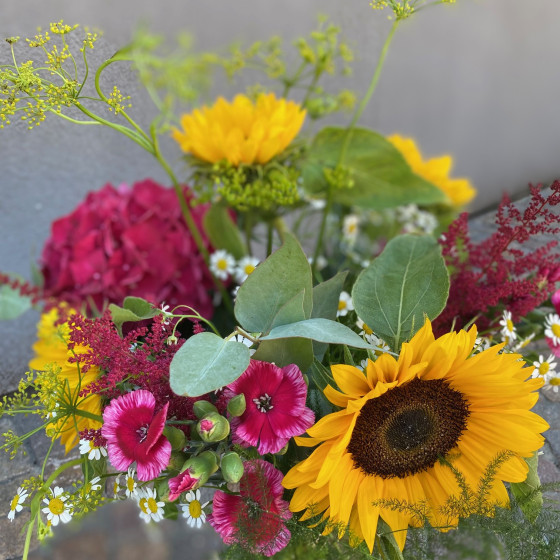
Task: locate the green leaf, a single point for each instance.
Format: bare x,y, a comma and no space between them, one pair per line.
407,282
286,351
382,178
322,330
276,281
12,303
222,231
386,543
291,312
134,309
528,493
205,363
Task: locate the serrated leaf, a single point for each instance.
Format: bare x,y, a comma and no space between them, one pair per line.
407,282
382,178
205,363
12,303
528,494
278,279
222,231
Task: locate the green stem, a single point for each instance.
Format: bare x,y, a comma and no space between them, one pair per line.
269,238
28,535
357,114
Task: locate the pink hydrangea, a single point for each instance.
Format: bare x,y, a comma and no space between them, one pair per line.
134,432
256,517
275,406
127,241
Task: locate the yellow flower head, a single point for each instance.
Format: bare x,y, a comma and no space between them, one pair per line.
241,131
52,353
400,418
435,170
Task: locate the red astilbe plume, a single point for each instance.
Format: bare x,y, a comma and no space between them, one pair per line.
500,272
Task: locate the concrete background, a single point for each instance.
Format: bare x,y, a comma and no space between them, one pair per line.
477,79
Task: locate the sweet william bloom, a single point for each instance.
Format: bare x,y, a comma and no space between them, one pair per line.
435,170
134,432
240,131
275,406
256,517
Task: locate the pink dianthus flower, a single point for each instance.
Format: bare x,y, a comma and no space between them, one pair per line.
275,406
134,432
256,517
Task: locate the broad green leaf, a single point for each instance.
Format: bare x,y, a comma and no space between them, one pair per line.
222,231
286,351
528,494
134,309
205,363
12,303
291,311
405,284
382,178
322,330
283,275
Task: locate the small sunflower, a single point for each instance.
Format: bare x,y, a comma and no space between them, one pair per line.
240,131
51,351
436,401
435,170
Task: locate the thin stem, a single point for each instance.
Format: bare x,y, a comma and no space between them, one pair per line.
269,238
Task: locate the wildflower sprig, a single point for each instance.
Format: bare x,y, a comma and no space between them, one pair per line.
403,9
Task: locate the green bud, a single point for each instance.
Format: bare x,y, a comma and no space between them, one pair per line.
213,427
237,405
202,408
177,461
201,467
175,436
232,467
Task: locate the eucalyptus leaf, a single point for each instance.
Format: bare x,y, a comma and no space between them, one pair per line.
286,351
12,303
223,232
528,494
278,279
205,363
291,312
322,330
382,178
405,284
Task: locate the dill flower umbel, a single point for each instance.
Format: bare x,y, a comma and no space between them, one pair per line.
241,131
435,170
401,418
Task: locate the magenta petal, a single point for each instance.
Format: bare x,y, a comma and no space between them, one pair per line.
157,425
225,509
270,442
181,483
149,466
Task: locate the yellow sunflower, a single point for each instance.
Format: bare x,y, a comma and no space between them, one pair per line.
400,418
435,170
240,131
51,352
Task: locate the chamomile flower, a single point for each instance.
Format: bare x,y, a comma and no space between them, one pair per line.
151,509
554,382
508,328
193,510
166,313
480,344
544,368
222,264
350,228
92,486
116,486
552,328
130,483
16,504
381,347
244,267
56,508
344,304
88,447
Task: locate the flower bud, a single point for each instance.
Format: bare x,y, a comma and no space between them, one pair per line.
213,427
236,406
176,462
195,472
232,467
202,408
175,436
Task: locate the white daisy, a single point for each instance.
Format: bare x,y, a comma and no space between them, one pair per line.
480,344
244,267
130,483
508,328
116,486
554,382
92,486
222,264
544,368
552,328
88,447
150,508
344,304
381,347
56,508
166,314
193,510
16,504
350,228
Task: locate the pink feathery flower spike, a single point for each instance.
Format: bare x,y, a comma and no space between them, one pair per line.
275,406
135,433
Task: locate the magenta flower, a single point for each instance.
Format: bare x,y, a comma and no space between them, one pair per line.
182,483
134,433
254,518
275,406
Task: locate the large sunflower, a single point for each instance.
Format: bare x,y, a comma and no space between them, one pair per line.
437,401
51,352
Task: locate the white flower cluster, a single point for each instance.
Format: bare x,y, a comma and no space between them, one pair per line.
223,265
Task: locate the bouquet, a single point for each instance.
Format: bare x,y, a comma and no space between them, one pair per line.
303,347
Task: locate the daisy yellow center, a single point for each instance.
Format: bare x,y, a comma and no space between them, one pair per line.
406,430
222,264
249,268
555,330
341,305
510,326
195,509
14,503
543,368
152,505
56,506
130,484
367,330
143,503
115,487
555,381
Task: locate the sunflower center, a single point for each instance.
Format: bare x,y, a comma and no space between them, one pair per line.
264,403
406,430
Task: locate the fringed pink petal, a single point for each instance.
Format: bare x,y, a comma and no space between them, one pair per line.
149,466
